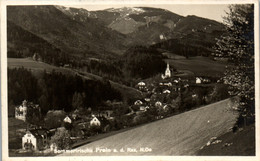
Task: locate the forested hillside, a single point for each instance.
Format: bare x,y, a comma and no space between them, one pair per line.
55,91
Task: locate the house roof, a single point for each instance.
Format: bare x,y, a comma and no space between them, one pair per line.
141,84
37,133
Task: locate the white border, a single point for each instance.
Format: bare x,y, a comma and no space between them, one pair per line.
4,101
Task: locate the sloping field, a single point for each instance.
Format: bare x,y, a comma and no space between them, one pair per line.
183,134
200,66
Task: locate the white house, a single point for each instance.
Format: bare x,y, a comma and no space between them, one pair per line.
198,80
141,85
95,121
158,104
67,119
138,102
34,139
21,111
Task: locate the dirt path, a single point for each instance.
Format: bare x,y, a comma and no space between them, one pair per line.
182,134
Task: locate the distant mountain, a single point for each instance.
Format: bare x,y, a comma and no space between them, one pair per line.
111,32
147,26
127,20
69,34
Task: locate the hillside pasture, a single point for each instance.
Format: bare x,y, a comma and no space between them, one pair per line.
200,66
173,56
182,134
35,66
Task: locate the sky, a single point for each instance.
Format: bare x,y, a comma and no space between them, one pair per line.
210,11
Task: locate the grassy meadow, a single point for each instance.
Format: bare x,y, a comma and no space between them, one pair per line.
199,66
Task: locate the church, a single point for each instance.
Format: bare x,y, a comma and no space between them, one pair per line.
167,72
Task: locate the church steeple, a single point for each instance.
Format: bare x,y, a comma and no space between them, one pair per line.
168,71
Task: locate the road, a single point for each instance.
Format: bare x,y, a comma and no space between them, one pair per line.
182,134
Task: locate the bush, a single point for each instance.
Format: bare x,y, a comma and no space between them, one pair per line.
62,139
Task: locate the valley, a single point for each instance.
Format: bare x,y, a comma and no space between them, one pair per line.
124,81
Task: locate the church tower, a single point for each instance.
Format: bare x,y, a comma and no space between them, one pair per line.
168,71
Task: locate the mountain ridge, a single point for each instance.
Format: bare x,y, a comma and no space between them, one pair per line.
110,32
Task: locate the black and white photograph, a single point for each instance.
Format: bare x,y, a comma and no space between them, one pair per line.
130,79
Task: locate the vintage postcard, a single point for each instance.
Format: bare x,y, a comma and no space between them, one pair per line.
130,80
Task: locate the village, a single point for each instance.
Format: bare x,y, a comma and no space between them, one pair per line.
129,79
161,98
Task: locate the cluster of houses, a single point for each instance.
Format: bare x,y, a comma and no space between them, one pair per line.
168,85
38,138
